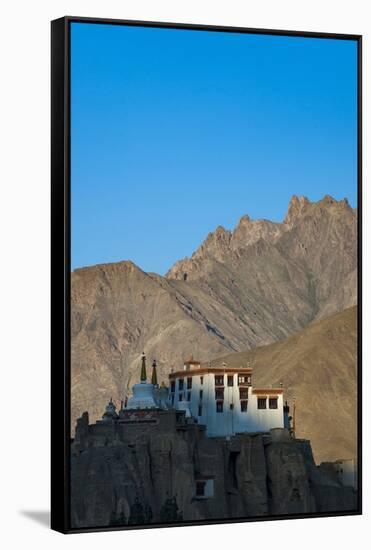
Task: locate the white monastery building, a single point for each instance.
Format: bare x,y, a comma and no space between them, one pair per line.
221,398
224,400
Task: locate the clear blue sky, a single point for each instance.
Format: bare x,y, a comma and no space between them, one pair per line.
175,132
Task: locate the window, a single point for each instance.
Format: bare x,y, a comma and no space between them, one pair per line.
200,410
273,403
244,379
219,393
244,393
180,397
243,406
180,384
180,417
219,406
200,488
201,380
219,380
172,399
262,402
172,386
201,393
188,395
204,488
230,380
189,383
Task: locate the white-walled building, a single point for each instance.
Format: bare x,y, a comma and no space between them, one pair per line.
221,398
224,400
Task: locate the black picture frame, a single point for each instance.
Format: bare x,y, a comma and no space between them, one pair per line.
61,265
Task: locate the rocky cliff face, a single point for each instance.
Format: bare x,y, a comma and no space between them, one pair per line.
305,266
244,288
147,474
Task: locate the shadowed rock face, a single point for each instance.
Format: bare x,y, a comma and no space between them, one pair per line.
136,475
245,288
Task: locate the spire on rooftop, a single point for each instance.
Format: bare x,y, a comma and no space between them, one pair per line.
143,372
154,373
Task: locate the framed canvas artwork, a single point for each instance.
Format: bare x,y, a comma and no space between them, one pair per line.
206,274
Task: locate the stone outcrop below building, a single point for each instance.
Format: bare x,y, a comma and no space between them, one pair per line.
156,467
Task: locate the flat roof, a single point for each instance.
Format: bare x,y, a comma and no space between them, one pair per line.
209,370
267,391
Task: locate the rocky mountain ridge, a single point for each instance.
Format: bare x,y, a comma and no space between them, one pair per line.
241,289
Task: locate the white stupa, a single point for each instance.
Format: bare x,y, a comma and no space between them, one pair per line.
144,393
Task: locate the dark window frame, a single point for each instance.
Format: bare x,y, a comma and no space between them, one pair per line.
219,406
243,379
262,403
244,393
219,379
219,394
200,488
273,403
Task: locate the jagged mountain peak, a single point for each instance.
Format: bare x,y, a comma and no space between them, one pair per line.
330,203
215,245
301,206
221,243
297,206
244,288
245,219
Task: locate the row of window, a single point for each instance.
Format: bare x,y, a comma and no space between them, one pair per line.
219,394
243,380
220,406
181,384
262,404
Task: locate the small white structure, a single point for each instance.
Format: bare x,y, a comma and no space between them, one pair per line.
142,398
147,395
224,400
110,412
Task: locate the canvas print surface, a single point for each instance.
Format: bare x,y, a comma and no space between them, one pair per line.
214,275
